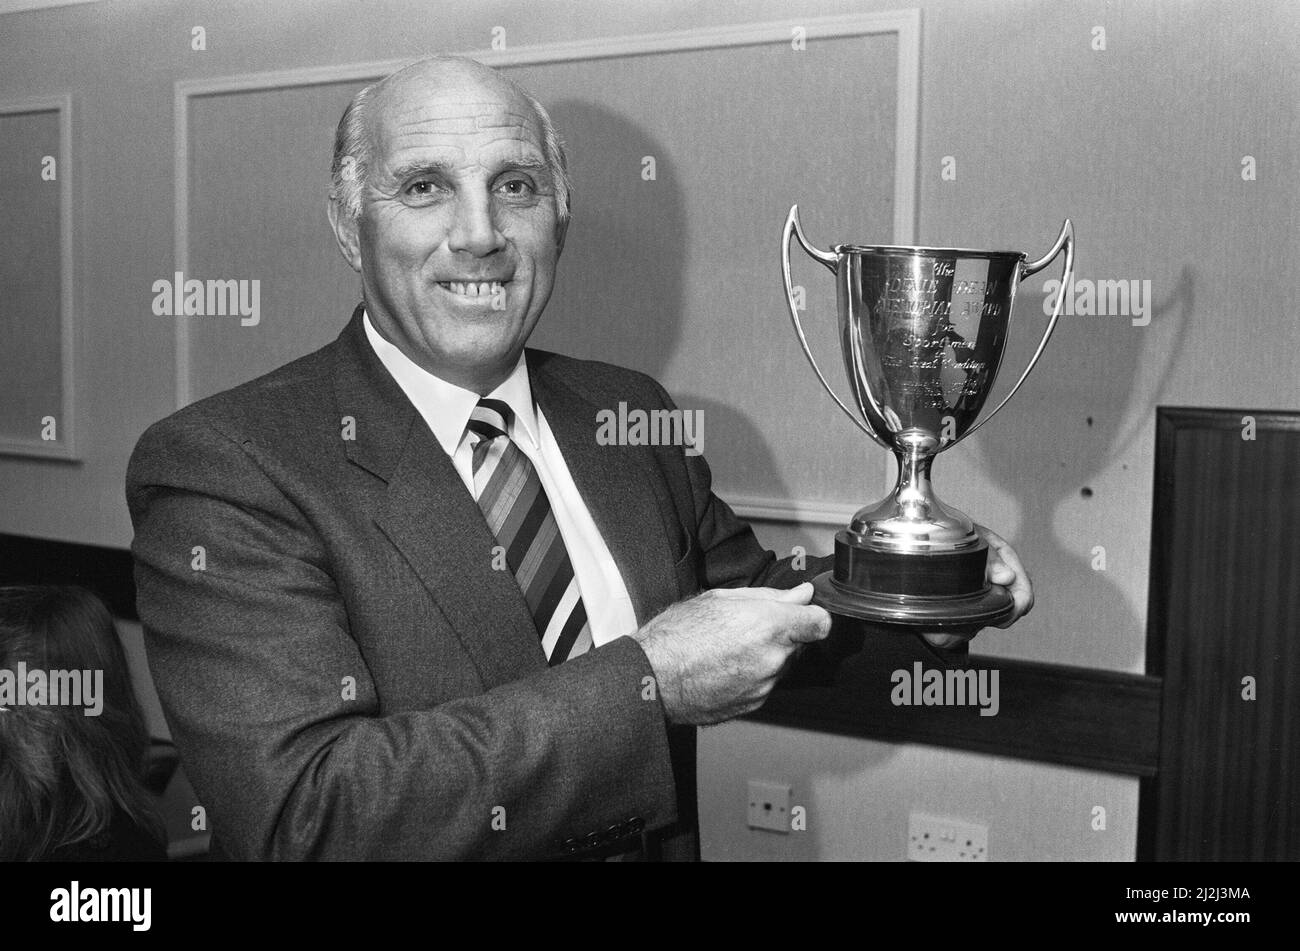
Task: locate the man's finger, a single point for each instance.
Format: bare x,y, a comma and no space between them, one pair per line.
1005,568
999,572
944,641
996,541
801,594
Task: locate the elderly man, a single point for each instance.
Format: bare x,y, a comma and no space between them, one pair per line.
399,601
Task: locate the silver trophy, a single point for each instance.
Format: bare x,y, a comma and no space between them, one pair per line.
922,331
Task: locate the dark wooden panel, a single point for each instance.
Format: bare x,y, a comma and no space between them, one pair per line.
106,571
1051,713
1224,605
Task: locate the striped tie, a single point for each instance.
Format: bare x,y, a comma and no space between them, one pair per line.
518,513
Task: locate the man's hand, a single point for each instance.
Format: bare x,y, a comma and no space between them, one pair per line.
1004,568
718,655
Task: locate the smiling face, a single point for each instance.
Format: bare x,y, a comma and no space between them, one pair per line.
459,231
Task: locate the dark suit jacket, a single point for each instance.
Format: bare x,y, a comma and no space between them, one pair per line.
344,673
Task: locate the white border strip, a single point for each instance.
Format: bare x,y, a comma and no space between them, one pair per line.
905,23
65,446
793,511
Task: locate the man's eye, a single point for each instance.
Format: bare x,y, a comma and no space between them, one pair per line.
517,187
420,187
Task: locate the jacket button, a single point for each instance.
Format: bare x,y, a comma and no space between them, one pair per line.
636,825
616,832
591,840
570,844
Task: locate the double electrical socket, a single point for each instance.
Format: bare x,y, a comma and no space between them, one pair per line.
932,839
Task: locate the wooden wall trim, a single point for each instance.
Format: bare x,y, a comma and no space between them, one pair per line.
906,24
63,448
1048,713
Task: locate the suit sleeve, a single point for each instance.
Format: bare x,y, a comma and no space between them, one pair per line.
732,555
249,644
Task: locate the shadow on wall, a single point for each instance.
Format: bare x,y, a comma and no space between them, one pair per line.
1096,372
622,297
620,293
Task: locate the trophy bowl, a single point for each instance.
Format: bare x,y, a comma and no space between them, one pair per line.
922,335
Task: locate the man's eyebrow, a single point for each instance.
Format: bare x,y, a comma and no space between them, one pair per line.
420,167
525,165
437,167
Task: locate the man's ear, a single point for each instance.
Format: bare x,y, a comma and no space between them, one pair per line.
345,233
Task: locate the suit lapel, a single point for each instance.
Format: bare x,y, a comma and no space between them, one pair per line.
621,488
430,517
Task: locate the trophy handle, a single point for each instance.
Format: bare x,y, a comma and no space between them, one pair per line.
1064,240
792,227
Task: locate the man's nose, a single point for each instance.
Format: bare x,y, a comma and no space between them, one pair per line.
473,229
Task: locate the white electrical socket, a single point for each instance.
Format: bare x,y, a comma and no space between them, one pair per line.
932,839
769,806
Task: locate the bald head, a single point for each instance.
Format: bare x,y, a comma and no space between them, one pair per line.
354,140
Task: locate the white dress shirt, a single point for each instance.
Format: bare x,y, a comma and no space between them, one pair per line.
446,409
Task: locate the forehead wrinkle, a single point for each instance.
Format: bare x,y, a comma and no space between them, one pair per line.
443,108
461,115
517,141
419,124
461,125
467,104
422,129
485,115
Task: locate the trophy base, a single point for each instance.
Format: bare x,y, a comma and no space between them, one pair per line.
913,614
913,592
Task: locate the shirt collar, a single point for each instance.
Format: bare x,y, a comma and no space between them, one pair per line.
446,407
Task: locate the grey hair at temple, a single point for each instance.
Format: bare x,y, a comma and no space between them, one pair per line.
352,146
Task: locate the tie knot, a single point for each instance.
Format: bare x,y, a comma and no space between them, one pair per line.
490,418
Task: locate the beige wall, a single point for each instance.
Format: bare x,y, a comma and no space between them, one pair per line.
1140,144
857,795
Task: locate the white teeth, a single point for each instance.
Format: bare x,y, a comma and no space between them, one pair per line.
474,289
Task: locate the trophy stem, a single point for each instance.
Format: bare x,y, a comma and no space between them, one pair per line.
913,493
911,562
912,518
